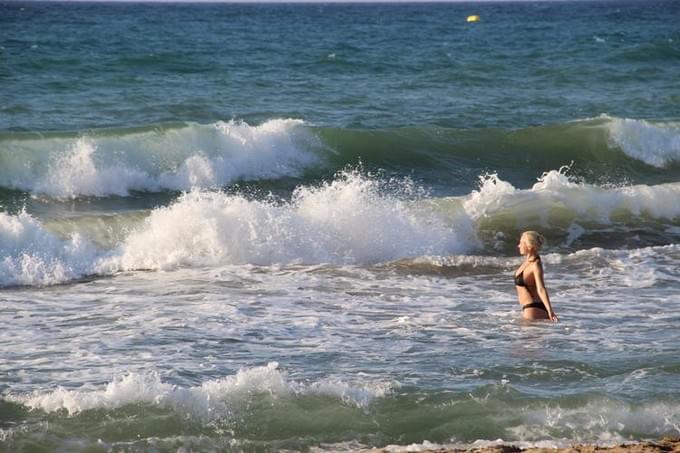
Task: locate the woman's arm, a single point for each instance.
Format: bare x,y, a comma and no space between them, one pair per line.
542,292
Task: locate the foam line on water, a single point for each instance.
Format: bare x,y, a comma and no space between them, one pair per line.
351,220
214,398
656,144
180,158
31,255
586,202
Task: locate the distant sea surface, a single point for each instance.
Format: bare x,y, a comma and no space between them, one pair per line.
256,227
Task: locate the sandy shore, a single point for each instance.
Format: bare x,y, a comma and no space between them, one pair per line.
663,445
666,444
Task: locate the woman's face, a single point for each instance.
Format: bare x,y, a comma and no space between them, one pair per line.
522,246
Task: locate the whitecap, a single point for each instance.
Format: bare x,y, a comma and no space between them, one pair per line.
656,144
210,399
174,158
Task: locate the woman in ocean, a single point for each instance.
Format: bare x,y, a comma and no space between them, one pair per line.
533,297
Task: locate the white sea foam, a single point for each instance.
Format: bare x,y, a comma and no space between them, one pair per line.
353,219
30,255
477,444
575,231
656,144
349,220
464,260
636,268
585,202
599,421
415,447
214,398
490,197
77,172
192,156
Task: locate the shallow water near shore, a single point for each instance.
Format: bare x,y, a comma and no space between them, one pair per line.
225,241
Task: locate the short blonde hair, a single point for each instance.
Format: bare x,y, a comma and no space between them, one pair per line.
534,239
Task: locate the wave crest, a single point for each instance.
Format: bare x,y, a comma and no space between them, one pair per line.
34,256
174,158
189,155
211,399
656,144
556,193
349,220
355,219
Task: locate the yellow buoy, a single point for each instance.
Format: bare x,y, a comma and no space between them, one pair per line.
473,18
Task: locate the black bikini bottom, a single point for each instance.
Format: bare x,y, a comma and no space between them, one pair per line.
538,305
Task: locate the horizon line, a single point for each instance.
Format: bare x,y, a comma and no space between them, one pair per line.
319,1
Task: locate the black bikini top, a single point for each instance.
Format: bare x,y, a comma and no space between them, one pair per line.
519,278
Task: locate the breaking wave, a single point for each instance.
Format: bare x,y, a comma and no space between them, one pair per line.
376,413
178,157
355,219
215,398
173,157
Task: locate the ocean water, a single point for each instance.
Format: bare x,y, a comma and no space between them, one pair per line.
264,227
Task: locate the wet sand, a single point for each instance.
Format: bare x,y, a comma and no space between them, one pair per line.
666,444
663,445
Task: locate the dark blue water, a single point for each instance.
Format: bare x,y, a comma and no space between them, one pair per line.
75,66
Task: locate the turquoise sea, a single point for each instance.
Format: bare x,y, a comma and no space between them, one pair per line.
293,226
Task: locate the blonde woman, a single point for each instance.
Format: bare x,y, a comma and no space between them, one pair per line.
533,297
